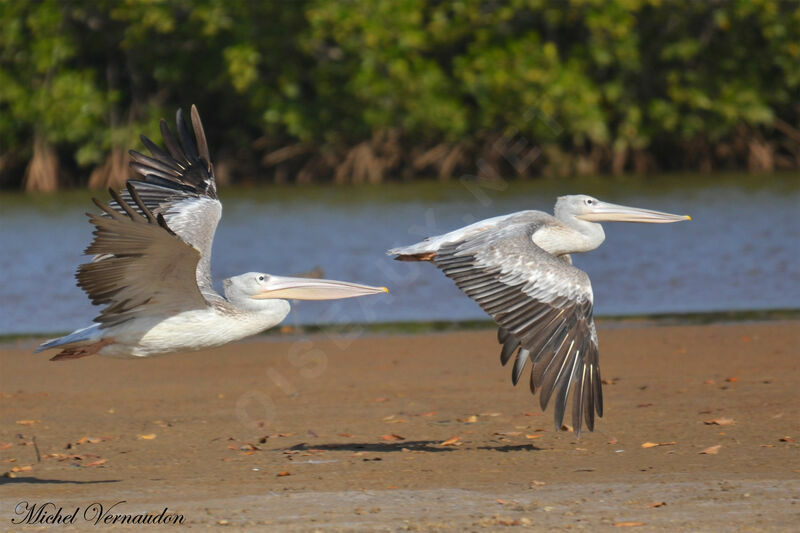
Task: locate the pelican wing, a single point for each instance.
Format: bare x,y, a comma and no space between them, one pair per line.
144,267
543,306
179,183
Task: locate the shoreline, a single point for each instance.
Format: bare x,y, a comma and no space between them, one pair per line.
436,326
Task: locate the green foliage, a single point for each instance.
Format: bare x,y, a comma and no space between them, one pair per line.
577,75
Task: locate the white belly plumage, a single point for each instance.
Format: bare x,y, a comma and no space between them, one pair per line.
187,331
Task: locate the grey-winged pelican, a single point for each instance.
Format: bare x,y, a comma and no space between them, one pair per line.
152,264
518,268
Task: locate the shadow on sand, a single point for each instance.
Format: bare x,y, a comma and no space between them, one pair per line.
399,446
39,481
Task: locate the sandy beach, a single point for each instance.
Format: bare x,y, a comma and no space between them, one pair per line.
410,432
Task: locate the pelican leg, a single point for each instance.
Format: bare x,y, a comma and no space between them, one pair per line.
81,351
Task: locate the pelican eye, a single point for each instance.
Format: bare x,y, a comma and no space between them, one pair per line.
589,201
261,278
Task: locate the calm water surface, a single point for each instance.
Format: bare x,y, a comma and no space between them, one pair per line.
740,252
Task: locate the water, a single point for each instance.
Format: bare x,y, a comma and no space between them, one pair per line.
740,252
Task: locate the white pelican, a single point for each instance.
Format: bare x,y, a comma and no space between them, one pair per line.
518,268
152,264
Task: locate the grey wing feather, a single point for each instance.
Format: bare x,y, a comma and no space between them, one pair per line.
179,183
145,268
543,306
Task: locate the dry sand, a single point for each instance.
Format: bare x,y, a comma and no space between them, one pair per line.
340,433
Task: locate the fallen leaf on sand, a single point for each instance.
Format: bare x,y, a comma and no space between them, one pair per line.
471,419
27,422
566,427
283,474
501,502
392,436
654,444
148,436
786,439
98,462
708,382
491,414
25,468
536,483
5,445
732,379
628,524
345,435
721,421
613,440
397,421
711,450
91,440
380,400
532,436
767,445
429,413
452,441
658,504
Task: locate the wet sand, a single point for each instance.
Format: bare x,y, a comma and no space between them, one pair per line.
420,432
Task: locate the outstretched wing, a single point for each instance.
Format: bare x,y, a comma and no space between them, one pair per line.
543,306
179,184
145,268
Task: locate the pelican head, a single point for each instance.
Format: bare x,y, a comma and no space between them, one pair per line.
261,286
591,209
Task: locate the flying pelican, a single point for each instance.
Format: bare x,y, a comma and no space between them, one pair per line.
518,268
152,263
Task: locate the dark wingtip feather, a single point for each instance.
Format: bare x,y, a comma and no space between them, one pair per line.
163,223
158,153
598,392
502,335
172,144
507,351
519,365
185,136
200,135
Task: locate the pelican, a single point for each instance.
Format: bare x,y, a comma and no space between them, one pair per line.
152,263
519,270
